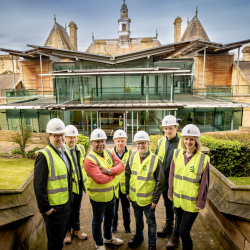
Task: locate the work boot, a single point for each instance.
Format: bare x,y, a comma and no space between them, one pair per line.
174,241
68,238
165,231
151,247
80,235
100,247
135,241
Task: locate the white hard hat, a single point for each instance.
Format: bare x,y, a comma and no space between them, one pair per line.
169,120
141,136
71,131
97,134
190,130
120,134
55,126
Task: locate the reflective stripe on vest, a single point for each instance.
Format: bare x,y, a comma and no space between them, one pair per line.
162,147
187,180
142,182
102,192
82,155
57,184
121,177
75,178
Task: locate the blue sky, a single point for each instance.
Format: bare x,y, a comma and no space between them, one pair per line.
30,21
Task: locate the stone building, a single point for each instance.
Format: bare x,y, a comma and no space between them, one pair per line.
124,44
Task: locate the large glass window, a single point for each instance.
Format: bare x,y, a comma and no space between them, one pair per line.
14,119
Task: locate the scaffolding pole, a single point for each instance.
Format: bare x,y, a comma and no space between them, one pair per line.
204,64
237,70
14,82
41,66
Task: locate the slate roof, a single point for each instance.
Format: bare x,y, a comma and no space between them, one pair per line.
58,38
194,30
6,81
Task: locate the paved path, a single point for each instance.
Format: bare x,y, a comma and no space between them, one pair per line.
203,240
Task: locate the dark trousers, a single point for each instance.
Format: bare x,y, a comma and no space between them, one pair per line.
185,221
169,209
150,219
56,228
125,210
74,218
106,211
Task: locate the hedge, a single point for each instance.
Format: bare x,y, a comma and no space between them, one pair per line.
229,153
84,141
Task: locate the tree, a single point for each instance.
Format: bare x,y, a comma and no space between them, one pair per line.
22,138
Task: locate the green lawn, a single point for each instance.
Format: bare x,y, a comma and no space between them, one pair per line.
14,172
240,180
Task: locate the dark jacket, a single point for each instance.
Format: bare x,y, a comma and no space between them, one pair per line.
159,178
171,145
78,162
40,184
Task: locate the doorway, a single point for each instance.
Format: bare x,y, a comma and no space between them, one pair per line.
109,122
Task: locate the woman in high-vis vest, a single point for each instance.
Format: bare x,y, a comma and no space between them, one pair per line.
188,182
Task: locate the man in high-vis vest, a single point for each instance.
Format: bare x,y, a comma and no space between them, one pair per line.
144,180
102,167
120,122
78,154
123,153
165,150
54,173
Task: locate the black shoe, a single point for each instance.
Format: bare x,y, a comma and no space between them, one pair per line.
114,230
151,247
135,241
127,230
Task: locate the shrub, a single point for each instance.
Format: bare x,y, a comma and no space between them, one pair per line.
16,151
154,142
231,157
84,141
22,138
31,154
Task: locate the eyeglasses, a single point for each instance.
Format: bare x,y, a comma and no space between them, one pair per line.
141,143
58,136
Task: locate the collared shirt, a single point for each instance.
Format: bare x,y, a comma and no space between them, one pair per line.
100,154
121,155
62,155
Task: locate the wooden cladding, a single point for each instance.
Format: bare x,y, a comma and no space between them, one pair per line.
218,71
30,73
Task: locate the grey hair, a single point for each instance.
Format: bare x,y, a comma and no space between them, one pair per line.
197,143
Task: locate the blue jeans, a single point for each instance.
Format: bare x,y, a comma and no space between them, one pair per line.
106,211
150,219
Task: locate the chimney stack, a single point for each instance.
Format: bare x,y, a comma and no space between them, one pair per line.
246,53
73,36
177,29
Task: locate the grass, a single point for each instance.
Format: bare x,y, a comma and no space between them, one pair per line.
240,180
14,172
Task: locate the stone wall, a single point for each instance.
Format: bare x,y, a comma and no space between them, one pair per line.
6,63
227,212
37,138
21,224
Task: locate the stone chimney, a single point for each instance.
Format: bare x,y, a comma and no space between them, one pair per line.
177,29
73,36
246,53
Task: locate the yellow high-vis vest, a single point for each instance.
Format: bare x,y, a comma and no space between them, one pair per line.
57,184
121,177
187,179
142,181
102,192
162,147
82,156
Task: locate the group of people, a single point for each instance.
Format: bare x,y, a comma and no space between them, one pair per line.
178,171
